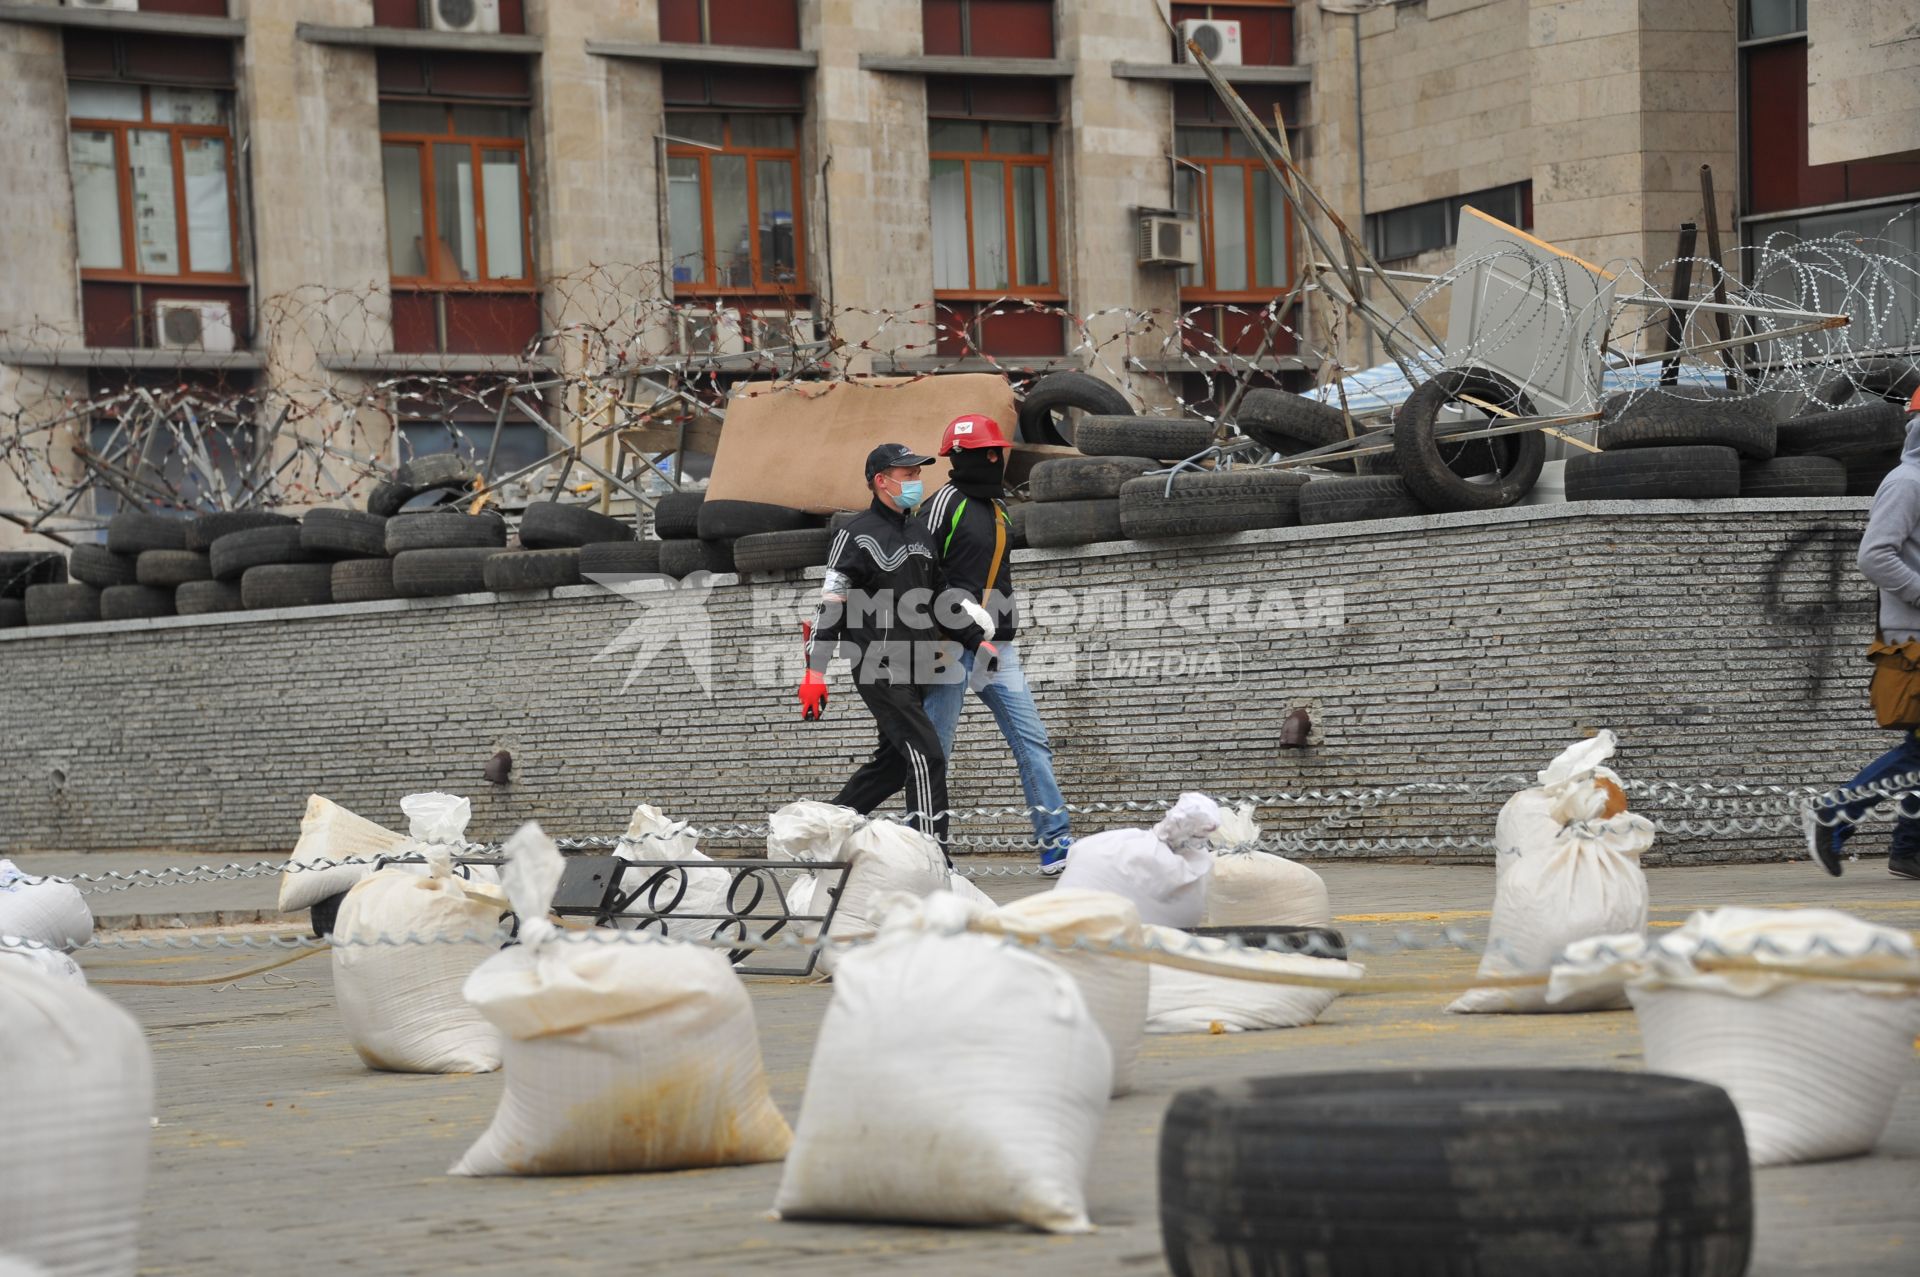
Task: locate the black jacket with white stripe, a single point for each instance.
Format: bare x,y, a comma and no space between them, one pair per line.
880,603
962,529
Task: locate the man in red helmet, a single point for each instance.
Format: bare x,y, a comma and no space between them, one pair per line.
968,525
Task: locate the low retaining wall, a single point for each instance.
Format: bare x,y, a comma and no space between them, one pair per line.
1721,640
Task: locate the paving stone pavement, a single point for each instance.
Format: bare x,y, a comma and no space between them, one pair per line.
275,1148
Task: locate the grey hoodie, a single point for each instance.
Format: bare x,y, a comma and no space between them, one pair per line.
1890,548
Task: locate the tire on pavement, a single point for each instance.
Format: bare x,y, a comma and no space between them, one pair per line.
69,604
1644,474
1210,503
730,520
1162,438
132,531
166,569
286,585
341,533
1063,391
442,470
1347,500
135,602
614,558
1495,1172
98,566
205,529
445,530
362,580
1440,474
1865,471
200,598
552,525
683,558
676,516
1858,429
434,573
235,552
21,568
782,551
1084,478
1656,419
1051,524
1793,477
532,569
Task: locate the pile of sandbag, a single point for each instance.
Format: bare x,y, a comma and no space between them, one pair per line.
77,1081
402,1004
331,834
1566,867
1757,1002
47,912
957,1079
623,1051
1163,870
887,858
676,904
1250,888
1197,1001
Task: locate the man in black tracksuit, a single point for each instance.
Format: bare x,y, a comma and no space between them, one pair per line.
878,606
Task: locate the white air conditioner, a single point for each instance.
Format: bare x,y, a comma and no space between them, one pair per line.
713,330
125,6
1169,241
471,17
1220,41
782,332
193,326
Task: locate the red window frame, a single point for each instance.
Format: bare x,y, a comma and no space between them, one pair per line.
129,271
1206,289
1042,161
762,285
439,277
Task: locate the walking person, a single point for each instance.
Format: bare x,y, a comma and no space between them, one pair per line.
1890,558
967,523
876,606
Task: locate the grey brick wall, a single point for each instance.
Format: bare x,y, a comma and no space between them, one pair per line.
1720,640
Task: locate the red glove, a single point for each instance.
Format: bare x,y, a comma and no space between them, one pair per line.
813,695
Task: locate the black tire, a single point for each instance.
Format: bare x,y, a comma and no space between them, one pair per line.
1348,500
1286,422
1057,523
1084,478
1489,1172
1315,942
205,529
135,602
199,598
683,558
423,574
1864,472
69,604
445,470
1017,525
730,520
286,585
324,914
21,568
339,533
1645,474
1894,380
165,569
13,614
549,525
1859,429
1793,477
782,551
445,530
362,580
100,567
1210,504
132,531
235,552
1438,473
841,518
512,570
1059,392
619,558
676,516
1655,419
1162,438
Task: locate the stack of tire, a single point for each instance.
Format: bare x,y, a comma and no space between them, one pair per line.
700,535
1863,436
555,540
21,570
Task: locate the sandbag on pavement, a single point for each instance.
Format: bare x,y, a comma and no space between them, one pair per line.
38,957
1068,929
1194,1002
330,832
957,1079
623,1051
651,836
1163,870
888,858
1250,888
48,911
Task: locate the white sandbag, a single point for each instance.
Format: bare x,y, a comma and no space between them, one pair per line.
51,911
1163,870
330,832
1072,926
1563,871
651,836
1813,1063
403,1005
39,957
1251,888
957,1079
1194,1002
962,886
888,858
623,1051
14,1266
77,1080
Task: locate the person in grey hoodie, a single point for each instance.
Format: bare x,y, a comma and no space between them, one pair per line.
1890,558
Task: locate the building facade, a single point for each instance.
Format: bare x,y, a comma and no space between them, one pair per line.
317,196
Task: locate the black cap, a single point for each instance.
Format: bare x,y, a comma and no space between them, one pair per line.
889,455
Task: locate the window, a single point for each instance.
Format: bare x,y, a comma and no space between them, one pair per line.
185,440
1422,228
987,28
733,201
456,184
1764,19
992,207
152,181
1834,278
1246,240
761,24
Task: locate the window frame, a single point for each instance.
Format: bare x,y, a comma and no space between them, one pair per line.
1450,206
1011,160
762,285
128,271
1207,290
424,144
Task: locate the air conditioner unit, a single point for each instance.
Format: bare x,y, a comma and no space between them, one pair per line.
471,17
125,6
1169,241
782,332
713,330
1220,41
193,326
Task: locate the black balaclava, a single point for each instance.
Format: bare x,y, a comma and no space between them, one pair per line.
979,472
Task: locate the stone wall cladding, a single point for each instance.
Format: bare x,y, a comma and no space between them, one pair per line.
1720,640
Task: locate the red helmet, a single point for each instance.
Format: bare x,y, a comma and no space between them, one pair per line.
974,430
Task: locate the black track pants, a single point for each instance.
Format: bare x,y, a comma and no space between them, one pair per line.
908,756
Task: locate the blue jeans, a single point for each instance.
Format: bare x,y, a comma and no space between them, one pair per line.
1007,695
1898,761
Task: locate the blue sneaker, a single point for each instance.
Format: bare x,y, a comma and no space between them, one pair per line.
1054,858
